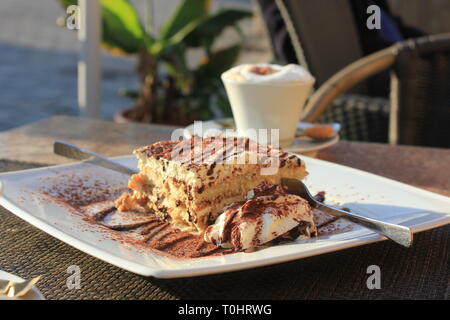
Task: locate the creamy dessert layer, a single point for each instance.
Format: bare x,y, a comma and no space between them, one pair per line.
268,213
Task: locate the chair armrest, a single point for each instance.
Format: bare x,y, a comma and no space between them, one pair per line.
345,79
362,118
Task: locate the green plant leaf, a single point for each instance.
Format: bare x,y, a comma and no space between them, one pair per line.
122,30
186,12
200,31
166,46
212,26
66,3
217,63
121,26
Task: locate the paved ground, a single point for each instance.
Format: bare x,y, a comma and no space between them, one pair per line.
38,76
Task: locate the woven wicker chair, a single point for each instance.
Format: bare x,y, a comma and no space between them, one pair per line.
419,75
420,93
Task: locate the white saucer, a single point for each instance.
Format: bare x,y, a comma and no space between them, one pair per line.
33,294
300,144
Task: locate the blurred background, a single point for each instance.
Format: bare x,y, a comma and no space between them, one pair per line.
175,81
38,63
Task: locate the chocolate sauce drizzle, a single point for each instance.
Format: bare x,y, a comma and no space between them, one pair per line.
198,151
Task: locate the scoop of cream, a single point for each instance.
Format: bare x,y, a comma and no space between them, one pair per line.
267,74
268,213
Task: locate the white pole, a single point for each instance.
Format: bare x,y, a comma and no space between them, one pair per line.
89,64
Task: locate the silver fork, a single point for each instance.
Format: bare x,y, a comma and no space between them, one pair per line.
72,151
400,234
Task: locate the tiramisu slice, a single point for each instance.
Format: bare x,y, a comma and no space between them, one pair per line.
189,182
268,213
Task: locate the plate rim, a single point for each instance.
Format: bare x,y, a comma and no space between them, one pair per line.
145,270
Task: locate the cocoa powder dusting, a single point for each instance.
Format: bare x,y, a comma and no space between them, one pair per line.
161,237
79,190
262,71
78,193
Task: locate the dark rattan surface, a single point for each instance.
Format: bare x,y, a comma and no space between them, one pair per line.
423,70
362,118
420,272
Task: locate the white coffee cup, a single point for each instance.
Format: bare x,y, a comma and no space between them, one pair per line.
268,101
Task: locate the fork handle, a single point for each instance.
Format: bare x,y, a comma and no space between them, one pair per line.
75,152
400,234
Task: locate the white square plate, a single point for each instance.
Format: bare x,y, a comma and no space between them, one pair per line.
362,192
